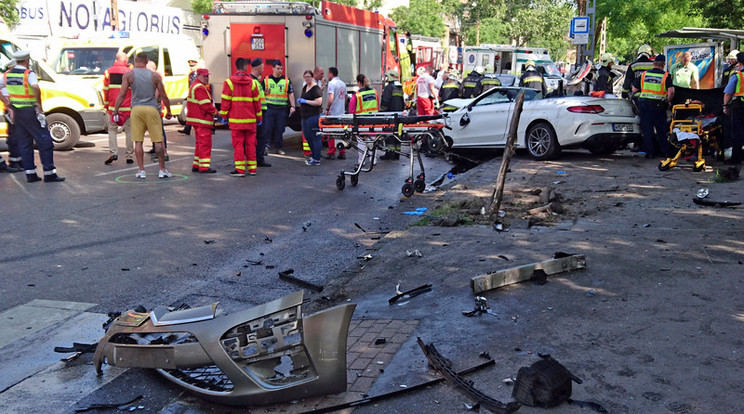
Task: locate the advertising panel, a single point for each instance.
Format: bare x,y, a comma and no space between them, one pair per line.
703,56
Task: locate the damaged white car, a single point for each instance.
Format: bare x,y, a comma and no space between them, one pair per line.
263,355
546,126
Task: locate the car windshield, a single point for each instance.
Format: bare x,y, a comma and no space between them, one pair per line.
84,60
6,53
552,70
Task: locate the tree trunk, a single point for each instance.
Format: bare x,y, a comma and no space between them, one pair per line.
511,139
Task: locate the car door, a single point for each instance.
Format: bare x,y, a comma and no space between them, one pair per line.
483,123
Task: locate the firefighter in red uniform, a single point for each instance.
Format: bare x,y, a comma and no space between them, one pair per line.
241,106
111,87
201,112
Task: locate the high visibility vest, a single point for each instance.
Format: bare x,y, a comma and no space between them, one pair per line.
366,101
261,94
195,112
276,93
653,85
739,91
112,80
19,92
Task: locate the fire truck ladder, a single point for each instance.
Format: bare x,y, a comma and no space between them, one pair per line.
263,7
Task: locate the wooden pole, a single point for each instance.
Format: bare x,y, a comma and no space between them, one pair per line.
511,139
114,15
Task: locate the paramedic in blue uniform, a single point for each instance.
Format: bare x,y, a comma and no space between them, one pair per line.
22,96
733,106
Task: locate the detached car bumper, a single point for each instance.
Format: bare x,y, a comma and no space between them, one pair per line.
94,120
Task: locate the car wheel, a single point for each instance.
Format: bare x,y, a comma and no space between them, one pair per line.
64,130
182,116
541,142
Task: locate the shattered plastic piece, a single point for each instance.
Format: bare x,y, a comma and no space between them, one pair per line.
481,307
410,294
702,193
287,276
483,211
366,257
498,226
560,172
502,213
450,175
208,241
413,213
360,227
118,406
416,253
380,341
263,355
591,292
474,407
509,380
268,239
403,386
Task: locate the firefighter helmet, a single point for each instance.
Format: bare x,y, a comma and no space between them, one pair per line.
479,70
732,54
645,49
529,64
607,58
392,75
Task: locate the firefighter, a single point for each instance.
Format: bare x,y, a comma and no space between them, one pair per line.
730,68
280,101
241,106
641,64
450,87
14,152
200,115
656,93
532,78
111,87
733,106
468,84
605,77
392,101
23,102
486,83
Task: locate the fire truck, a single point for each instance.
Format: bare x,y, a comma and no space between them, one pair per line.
300,36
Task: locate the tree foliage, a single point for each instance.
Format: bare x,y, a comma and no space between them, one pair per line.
420,17
721,14
8,12
201,6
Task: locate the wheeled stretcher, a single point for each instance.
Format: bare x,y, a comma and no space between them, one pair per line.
367,133
692,133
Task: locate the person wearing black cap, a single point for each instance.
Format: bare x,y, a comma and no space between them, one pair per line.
733,105
257,68
656,93
21,96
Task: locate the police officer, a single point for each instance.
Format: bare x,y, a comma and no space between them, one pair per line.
656,93
14,152
23,102
731,66
450,87
531,78
470,81
392,101
605,76
280,103
641,64
733,105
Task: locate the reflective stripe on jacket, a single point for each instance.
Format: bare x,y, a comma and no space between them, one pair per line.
653,85
199,107
276,93
366,101
112,86
739,91
241,101
19,92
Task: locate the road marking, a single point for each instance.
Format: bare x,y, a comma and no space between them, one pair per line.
131,179
24,320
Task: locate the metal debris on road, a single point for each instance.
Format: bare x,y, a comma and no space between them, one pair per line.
416,253
561,262
129,406
366,257
703,192
287,276
481,307
208,241
268,239
409,294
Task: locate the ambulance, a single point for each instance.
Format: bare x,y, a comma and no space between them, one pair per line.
88,59
71,108
508,59
301,37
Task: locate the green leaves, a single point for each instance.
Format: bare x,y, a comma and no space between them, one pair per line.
8,12
420,17
201,6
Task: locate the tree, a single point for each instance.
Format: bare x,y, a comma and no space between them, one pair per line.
9,13
201,6
721,14
371,4
420,17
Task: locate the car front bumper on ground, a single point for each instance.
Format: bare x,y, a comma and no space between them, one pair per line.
94,120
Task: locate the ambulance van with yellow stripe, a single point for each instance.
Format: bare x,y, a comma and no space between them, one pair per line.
88,59
71,108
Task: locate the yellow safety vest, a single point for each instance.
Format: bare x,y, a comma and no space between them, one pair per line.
653,85
19,92
366,101
276,93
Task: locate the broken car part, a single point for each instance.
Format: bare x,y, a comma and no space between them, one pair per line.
481,307
287,276
410,294
442,364
404,389
128,406
711,203
546,383
267,354
560,263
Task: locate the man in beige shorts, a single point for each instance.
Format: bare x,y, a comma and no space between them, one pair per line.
144,84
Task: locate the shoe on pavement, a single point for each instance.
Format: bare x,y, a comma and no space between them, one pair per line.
264,164
341,156
8,168
111,159
53,178
130,161
183,131
237,173
312,162
329,156
141,175
32,178
251,173
208,171
164,174
280,151
194,169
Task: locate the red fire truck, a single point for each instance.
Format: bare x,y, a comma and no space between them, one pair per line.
301,36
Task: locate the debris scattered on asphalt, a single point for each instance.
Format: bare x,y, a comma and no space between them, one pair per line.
484,355
546,383
128,406
417,212
208,241
509,380
561,262
254,262
646,225
474,407
286,275
410,294
501,256
268,239
703,192
360,227
270,266
591,292
498,226
718,204
481,307
124,269
238,274
366,257
560,172
380,341
416,253
306,225
443,365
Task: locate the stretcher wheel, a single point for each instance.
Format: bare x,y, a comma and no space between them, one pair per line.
354,180
698,168
663,166
340,182
407,189
419,185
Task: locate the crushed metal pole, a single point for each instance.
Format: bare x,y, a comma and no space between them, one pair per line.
560,263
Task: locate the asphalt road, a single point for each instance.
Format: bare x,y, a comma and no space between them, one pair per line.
106,238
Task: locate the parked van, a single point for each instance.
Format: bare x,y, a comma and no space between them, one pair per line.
88,60
71,108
